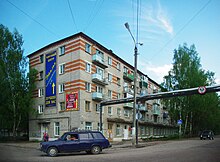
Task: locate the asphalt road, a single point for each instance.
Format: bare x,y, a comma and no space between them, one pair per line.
192,150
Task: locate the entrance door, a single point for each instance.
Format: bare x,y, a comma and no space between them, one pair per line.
110,135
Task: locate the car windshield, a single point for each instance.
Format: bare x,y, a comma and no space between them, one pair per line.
206,132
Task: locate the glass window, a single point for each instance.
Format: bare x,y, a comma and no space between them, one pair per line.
88,48
118,81
88,67
87,105
126,113
109,77
62,106
40,92
88,126
61,88
61,68
109,110
118,111
100,54
41,75
41,58
88,87
56,129
118,95
40,109
109,60
97,108
98,135
118,66
100,71
62,50
85,136
99,89
118,130
109,94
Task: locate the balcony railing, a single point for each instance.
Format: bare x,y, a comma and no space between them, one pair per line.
128,77
97,78
97,96
143,84
128,90
156,109
128,105
98,60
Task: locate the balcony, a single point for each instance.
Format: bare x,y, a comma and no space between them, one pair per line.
143,84
98,60
96,96
128,105
128,77
128,90
142,108
165,115
156,109
97,78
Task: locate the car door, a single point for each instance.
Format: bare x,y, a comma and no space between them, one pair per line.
70,144
86,141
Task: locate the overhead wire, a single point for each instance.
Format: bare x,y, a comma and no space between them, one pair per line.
29,16
74,22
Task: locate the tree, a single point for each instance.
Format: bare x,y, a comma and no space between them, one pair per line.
16,84
196,111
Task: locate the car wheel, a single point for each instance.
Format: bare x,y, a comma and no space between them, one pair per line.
52,151
95,150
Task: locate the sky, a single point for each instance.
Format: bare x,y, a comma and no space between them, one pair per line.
161,25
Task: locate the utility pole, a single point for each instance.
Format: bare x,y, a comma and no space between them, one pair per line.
134,129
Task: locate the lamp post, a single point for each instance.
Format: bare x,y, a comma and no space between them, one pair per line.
134,138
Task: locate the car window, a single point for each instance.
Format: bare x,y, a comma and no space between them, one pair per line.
84,136
71,137
98,135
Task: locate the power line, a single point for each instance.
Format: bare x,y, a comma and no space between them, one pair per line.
72,15
184,26
48,30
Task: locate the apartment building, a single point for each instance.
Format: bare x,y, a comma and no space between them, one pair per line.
74,75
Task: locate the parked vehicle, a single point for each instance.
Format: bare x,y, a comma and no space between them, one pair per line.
207,134
90,141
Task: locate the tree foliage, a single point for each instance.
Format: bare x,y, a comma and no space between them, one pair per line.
16,84
198,112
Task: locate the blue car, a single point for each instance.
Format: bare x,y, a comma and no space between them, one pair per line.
90,141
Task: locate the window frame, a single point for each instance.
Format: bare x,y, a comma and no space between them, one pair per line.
40,109
61,68
56,128
61,87
62,50
87,87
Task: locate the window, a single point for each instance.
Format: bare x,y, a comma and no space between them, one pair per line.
62,50
87,105
88,67
100,54
40,109
125,70
99,89
62,106
85,136
61,68
118,95
56,129
98,136
118,81
88,48
88,126
41,58
118,130
109,94
118,66
40,92
118,111
126,113
88,87
97,108
109,110
109,60
61,88
109,77
41,75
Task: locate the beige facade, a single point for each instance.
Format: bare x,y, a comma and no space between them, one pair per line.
84,67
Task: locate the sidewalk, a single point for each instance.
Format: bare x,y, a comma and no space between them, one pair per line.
121,144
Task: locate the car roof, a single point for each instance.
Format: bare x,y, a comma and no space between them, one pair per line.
86,131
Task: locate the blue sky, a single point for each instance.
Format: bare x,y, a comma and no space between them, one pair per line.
163,26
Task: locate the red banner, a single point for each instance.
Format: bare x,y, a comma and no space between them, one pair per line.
72,101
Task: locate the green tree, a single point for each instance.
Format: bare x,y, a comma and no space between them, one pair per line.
195,111
16,84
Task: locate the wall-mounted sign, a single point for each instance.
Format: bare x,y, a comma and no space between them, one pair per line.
50,79
72,101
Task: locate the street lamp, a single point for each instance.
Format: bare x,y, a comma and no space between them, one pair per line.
134,138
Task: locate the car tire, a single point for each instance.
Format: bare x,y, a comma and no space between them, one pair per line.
95,150
52,151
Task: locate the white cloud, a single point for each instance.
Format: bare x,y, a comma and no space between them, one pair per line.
154,72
